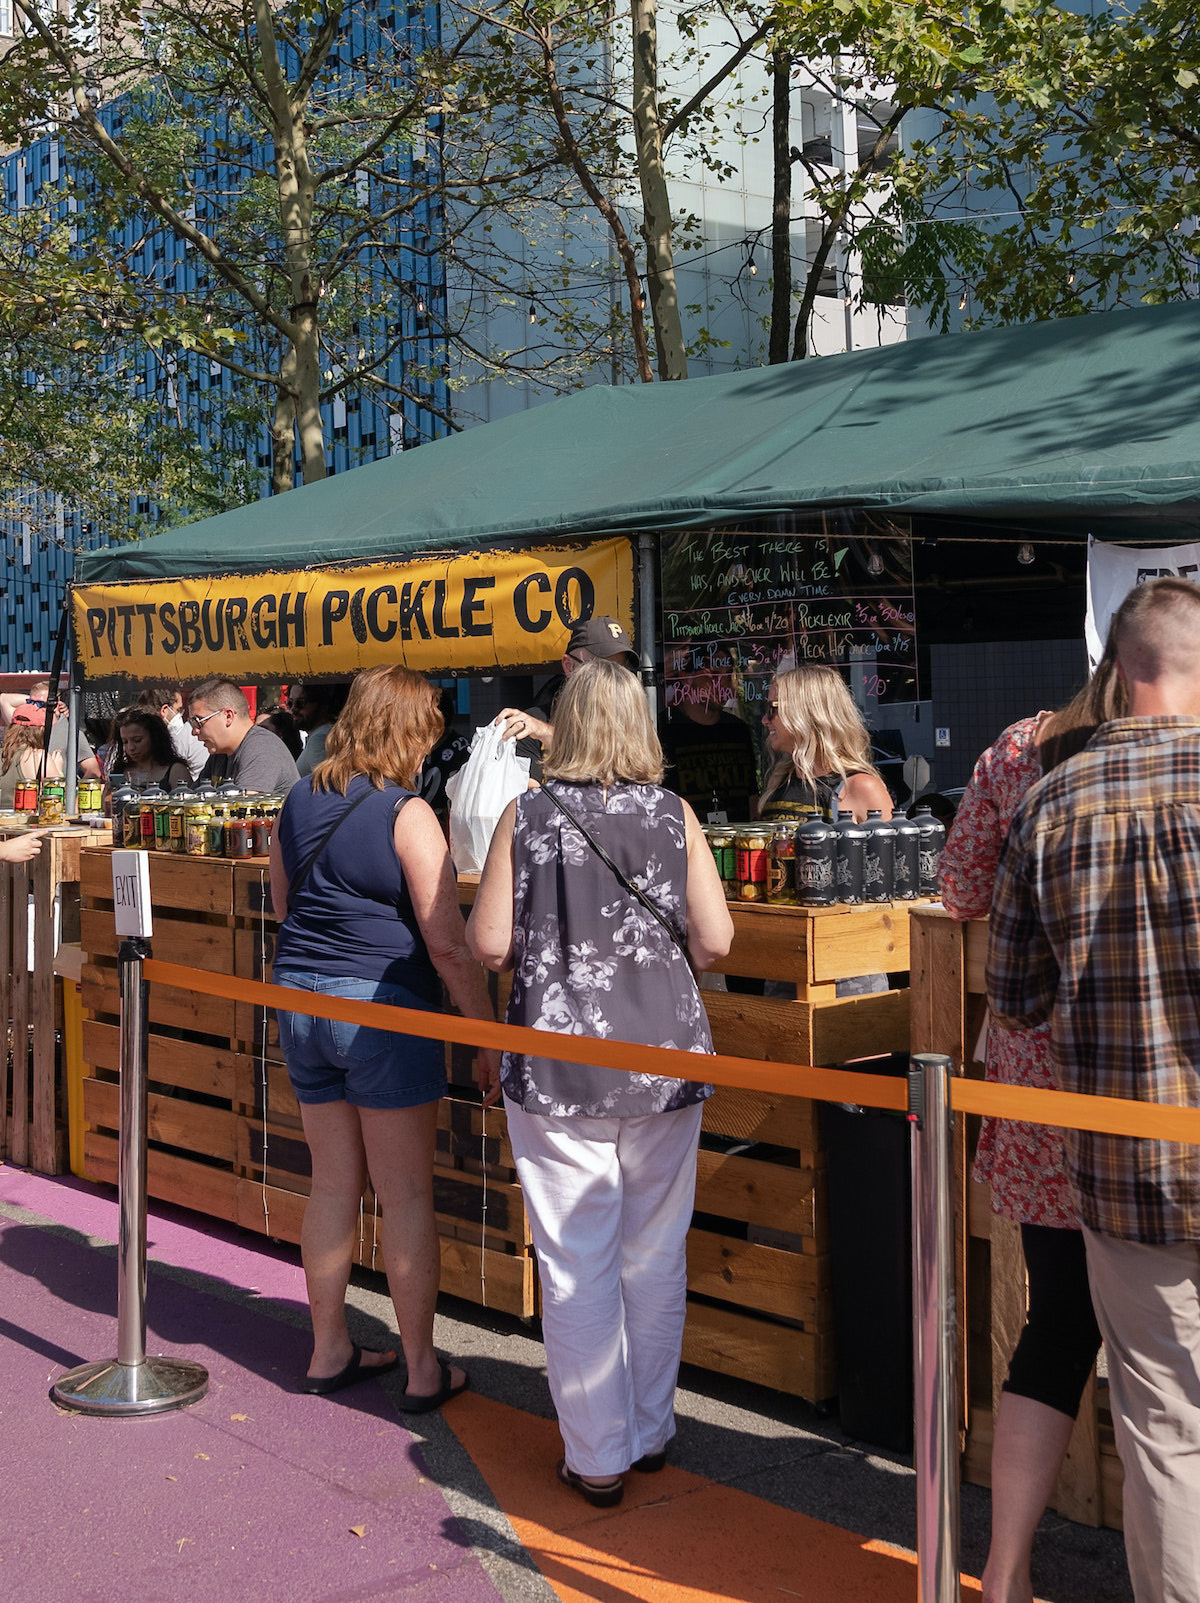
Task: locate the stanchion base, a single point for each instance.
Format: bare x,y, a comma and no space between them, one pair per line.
123,1390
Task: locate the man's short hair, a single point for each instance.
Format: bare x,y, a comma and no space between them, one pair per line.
219,695
155,697
1157,630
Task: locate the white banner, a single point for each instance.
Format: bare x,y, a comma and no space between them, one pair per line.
1114,570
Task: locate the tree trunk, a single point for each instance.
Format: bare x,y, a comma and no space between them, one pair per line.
283,426
781,209
656,203
296,191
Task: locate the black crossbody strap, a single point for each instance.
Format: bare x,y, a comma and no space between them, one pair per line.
635,891
295,885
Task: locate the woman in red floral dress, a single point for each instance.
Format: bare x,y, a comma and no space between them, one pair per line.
1023,1163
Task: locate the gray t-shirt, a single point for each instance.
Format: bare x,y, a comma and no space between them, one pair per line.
314,749
262,762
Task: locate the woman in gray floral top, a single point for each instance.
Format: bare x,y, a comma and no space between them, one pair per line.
606,1159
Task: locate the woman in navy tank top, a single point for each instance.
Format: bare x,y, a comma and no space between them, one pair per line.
364,885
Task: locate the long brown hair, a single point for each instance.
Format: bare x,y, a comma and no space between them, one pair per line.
389,725
1103,698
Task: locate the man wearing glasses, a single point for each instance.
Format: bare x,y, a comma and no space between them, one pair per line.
249,754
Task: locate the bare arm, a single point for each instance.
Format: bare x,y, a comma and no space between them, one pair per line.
862,792
710,928
520,725
490,926
279,879
433,890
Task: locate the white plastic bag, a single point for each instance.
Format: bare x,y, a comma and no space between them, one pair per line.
479,792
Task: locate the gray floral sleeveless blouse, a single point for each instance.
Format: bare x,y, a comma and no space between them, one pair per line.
589,959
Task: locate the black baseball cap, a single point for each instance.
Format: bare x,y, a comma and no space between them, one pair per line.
603,637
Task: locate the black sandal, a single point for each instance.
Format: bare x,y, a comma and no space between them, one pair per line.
597,1496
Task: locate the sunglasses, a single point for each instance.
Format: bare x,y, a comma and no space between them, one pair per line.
199,723
772,711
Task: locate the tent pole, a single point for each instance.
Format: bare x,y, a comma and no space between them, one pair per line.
646,620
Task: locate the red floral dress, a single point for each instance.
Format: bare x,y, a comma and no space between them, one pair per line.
1023,1163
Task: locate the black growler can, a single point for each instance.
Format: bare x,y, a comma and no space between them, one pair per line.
879,858
851,844
816,863
933,839
907,857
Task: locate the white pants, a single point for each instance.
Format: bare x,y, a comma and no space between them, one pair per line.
1147,1300
609,1204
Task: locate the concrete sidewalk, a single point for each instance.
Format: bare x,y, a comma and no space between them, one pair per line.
259,1492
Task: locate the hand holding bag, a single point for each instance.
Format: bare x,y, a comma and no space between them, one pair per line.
492,776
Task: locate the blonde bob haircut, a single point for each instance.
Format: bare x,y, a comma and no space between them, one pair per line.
817,714
389,725
602,729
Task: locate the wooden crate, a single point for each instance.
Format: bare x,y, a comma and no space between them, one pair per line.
225,1127
948,992
39,911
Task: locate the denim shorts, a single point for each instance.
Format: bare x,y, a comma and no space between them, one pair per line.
332,1061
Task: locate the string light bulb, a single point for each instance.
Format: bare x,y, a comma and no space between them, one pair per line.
962,300
1025,554
532,310
752,265
420,306
874,563
641,296
1071,275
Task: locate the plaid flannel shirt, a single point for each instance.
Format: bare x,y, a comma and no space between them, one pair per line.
1095,925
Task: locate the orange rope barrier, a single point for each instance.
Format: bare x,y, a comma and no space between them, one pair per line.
1105,1115
746,1074
1153,1121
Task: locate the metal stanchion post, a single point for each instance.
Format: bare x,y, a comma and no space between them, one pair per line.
131,1383
935,1332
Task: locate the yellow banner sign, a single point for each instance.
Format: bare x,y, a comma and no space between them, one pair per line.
487,610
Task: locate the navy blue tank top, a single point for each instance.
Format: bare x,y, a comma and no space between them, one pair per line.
353,916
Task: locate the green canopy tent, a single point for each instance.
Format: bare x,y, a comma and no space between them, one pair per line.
1091,416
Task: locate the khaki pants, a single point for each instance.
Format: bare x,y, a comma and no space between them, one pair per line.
1147,1299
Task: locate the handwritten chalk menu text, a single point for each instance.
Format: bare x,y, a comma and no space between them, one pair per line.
738,606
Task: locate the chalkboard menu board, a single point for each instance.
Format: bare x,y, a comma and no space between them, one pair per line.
738,606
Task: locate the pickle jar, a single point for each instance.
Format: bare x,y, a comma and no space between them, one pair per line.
25,796
721,842
182,797
781,866
121,797
197,835
752,846
89,796
219,817
51,806
151,798
161,816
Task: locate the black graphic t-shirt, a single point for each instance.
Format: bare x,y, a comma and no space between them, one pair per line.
704,760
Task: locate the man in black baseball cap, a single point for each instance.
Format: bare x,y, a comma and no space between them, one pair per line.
591,637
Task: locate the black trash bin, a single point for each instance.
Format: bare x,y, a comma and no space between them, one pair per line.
870,1209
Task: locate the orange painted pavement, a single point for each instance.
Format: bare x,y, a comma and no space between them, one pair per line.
676,1537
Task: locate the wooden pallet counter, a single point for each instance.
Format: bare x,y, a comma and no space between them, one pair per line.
39,911
948,1006
226,1138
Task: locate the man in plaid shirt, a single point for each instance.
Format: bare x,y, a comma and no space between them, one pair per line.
1095,925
